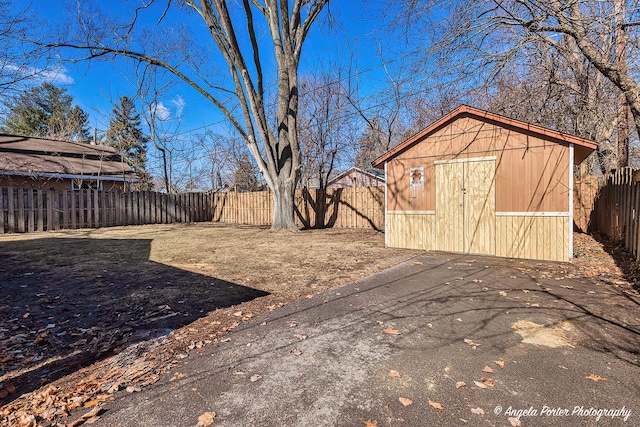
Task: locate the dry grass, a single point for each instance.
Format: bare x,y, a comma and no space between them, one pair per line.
107,290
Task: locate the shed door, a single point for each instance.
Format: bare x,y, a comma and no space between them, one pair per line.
465,206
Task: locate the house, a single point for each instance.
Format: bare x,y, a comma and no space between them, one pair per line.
59,165
356,177
476,182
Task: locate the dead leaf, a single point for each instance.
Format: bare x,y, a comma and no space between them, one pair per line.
237,314
435,404
405,401
595,378
471,343
499,363
460,384
392,331
503,293
429,325
369,423
477,411
394,374
206,419
300,337
487,369
488,381
296,352
255,378
479,384
86,417
178,376
91,403
514,422
526,291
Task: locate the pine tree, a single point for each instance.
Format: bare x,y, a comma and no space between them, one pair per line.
125,135
47,111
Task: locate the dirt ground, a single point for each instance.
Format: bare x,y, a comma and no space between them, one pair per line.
84,314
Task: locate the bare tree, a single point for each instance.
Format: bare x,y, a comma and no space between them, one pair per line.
242,93
384,126
21,63
479,38
326,126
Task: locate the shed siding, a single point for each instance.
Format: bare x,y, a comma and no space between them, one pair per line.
531,173
531,191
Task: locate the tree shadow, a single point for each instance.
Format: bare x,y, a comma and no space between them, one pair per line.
319,208
69,302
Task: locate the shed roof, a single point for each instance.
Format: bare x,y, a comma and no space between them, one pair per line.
49,158
373,173
584,147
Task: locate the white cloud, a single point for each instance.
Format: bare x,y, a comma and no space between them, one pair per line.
161,111
54,75
179,104
174,108
57,75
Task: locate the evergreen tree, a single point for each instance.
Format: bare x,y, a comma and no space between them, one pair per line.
125,135
47,111
245,178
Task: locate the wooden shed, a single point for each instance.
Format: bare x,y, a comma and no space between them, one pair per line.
476,182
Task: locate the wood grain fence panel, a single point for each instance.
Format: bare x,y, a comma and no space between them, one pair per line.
65,210
31,226
11,221
2,205
21,213
96,209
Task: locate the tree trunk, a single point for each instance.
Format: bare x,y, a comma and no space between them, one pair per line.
283,204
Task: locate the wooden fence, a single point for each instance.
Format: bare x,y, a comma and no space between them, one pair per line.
615,211
28,210
354,207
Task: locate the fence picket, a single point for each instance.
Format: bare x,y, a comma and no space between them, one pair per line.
28,210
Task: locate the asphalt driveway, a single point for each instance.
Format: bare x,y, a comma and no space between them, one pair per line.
437,340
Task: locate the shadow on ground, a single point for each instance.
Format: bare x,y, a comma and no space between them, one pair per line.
67,303
623,259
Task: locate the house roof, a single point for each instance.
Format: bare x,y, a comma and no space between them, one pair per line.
373,173
584,146
48,158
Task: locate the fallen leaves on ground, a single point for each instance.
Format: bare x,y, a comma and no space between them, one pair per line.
499,363
206,419
394,374
435,404
255,378
477,411
405,401
460,384
479,384
369,423
595,378
503,293
487,369
471,343
89,418
391,331
488,381
514,422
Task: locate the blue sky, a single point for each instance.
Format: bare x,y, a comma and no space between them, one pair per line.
356,37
